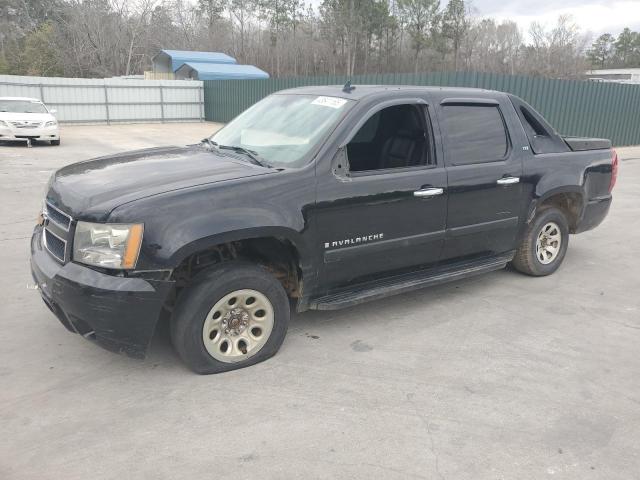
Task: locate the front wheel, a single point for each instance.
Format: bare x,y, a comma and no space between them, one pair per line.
544,244
55,142
231,316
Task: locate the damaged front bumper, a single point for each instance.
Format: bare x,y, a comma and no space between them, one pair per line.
119,313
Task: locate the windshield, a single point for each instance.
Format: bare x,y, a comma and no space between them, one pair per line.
22,106
282,129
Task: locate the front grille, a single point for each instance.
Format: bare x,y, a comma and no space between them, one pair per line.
55,245
58,217
57,235
25,124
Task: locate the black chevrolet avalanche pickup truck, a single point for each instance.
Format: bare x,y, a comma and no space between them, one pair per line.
315,198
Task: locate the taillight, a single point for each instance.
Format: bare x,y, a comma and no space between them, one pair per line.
614,169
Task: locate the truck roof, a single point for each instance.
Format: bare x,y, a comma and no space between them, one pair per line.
26,99
362,91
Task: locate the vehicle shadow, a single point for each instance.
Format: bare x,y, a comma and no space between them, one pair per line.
24,144
377,314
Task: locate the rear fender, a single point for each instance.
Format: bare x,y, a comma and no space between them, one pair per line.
543,195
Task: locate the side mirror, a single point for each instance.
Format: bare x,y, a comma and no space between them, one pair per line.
52,111
340,164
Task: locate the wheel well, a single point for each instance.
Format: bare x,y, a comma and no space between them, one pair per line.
278,255
568,203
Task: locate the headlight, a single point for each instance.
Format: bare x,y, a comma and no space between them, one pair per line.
3,123
51,123
107,245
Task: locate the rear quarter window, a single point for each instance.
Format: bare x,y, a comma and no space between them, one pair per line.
474,134
542,137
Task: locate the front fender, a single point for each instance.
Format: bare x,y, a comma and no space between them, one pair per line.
180,223
217,238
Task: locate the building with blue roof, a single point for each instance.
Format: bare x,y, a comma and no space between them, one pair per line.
168,61
184,64
218,71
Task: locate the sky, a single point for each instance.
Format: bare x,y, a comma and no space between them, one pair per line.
594,16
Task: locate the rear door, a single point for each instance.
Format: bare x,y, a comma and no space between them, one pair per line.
484,176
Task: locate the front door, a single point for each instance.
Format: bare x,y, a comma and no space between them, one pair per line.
388,213
484,171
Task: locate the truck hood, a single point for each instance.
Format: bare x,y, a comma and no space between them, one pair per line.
93,188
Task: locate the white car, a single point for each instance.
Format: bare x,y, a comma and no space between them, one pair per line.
25,119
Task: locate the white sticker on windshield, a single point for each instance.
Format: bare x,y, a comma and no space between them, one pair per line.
332,102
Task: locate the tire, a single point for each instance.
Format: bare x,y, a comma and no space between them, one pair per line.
536,261
55,142
196,321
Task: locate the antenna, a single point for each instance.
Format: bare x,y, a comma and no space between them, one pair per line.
348,88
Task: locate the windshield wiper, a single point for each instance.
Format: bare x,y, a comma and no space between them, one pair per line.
253,156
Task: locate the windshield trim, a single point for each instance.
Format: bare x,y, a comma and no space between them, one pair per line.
309,157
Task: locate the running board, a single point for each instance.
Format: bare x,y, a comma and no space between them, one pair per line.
407,282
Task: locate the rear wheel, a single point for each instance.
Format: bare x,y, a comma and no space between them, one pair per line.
55,142
544,244
231,316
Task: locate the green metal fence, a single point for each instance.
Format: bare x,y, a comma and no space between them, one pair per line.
573,107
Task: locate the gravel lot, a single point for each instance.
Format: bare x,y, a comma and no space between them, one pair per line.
498,377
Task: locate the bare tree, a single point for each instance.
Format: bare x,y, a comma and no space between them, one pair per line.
137,22
455,25
420,17
92,38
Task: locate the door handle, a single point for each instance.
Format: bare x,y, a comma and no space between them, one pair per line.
428,192
508,180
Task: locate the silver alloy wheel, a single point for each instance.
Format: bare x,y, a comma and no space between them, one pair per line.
238,326
548,243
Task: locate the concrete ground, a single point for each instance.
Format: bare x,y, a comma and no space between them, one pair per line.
498,377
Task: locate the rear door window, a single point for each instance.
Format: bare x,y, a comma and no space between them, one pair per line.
474,134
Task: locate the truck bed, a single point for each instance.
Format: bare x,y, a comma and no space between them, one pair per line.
579,144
